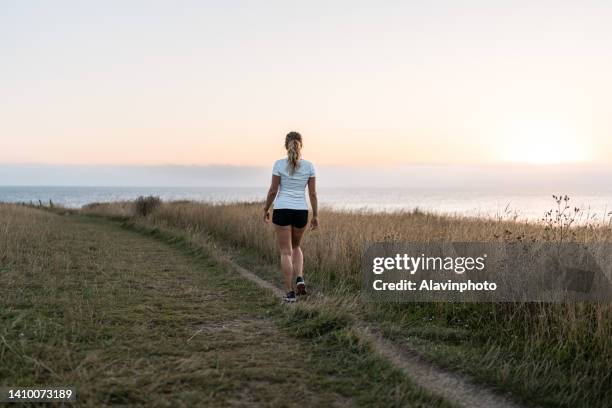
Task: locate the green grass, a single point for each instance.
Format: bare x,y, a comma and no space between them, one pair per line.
471,339
546,355
133,319
543,371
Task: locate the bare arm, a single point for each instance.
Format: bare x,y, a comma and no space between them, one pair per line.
312,193
272,191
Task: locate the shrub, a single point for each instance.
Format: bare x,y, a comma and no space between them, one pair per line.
144,206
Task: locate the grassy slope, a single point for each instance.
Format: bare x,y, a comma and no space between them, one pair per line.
553,355
130,319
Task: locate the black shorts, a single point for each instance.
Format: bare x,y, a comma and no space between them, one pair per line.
296,218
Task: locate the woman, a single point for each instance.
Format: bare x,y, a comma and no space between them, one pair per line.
290,177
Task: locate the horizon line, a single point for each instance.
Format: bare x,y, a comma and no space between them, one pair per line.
378,166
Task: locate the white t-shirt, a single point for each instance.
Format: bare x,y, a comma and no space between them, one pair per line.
291,194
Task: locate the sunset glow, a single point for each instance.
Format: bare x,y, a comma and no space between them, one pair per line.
543,143
396,83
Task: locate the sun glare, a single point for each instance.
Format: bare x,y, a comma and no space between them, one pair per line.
542,143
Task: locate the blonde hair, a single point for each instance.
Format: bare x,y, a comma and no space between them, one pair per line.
293,144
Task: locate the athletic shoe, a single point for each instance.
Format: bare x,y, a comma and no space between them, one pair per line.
300,285
290,297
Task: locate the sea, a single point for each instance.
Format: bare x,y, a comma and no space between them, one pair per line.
528,205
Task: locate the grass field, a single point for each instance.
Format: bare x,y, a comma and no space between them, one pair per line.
546,354
133,319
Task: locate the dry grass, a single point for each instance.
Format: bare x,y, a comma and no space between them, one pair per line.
555,354
334,251
135,320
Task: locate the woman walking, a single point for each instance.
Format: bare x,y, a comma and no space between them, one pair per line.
290,176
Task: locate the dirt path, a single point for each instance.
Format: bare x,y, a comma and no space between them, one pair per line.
453,387
449,385
129,319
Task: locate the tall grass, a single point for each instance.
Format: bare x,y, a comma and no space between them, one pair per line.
334,251
562,349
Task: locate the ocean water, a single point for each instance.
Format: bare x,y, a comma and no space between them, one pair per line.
524,205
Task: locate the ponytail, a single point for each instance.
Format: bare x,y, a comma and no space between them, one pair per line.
293,144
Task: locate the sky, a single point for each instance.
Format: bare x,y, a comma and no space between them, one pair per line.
379,83
572,179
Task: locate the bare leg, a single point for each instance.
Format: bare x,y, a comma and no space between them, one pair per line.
298,262
297,256
283,234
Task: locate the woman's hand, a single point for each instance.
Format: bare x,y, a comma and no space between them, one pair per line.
266,216
314,223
